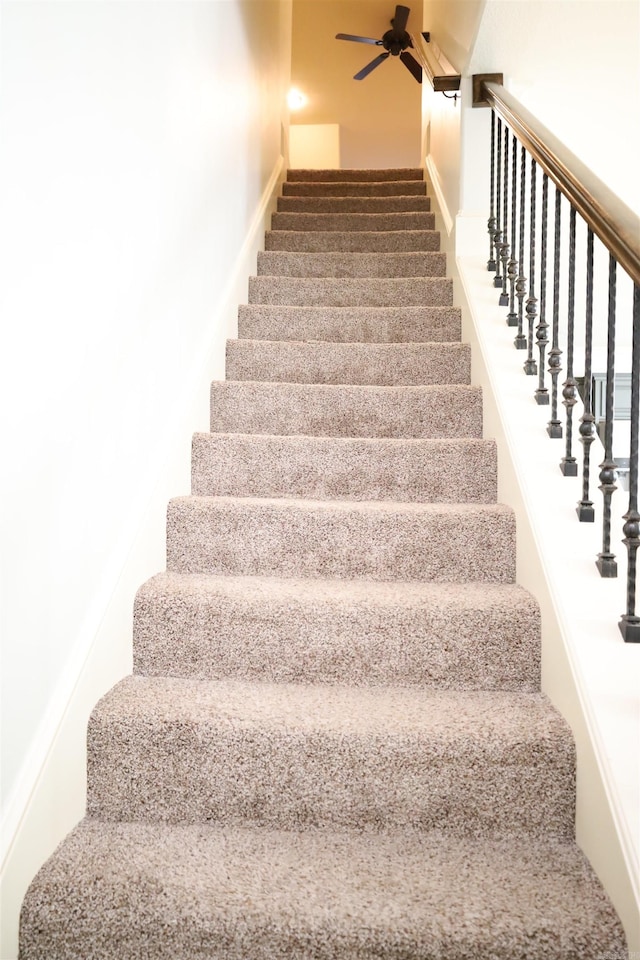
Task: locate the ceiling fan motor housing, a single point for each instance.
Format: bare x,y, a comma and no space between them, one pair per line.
395,43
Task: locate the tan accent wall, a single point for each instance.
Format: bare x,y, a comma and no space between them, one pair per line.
380,116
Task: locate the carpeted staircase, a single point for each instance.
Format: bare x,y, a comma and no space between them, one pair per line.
334,744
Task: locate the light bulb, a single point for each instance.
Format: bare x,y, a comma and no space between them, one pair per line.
295,99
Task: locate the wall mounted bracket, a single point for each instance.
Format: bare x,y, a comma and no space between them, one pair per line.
477,91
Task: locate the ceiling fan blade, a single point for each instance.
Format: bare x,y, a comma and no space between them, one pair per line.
412,65
370,66
350,36
399,21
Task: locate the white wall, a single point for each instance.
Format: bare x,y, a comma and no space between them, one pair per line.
453,26
142,143
574,63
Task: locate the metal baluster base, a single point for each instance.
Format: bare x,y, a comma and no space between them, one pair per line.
606,564
569,467
630,629
585,511
554,429
542,397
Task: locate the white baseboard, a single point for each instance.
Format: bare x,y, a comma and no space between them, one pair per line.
50,795
434,178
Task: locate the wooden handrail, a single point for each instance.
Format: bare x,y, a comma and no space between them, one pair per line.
610,219
442,77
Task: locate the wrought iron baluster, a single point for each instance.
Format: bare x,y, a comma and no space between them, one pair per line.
542,394
585,511
520,341
491,223
512,269
503,300
606,562
554,427
568,464
530,366
497,236
630,622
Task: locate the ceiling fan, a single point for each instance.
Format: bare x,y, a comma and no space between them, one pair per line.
395,43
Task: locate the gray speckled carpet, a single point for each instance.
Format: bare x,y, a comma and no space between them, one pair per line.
334,745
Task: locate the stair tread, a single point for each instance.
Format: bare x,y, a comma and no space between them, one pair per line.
371,507
358,174
496,724
327,894
486,597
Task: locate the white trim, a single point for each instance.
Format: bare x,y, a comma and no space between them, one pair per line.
436,182
48,798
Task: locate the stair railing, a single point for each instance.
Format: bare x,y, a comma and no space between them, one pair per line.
526,161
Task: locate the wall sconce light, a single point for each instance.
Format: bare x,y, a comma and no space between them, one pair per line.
296,100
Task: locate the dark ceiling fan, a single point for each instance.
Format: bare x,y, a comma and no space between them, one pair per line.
395,43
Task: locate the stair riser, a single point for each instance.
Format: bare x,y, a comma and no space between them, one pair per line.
349,363
353,221
353,204
229,769
306,633
350,292
296,782
360,241
315,539
346,411
350,324
319,468
405,188
288,264
358,175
